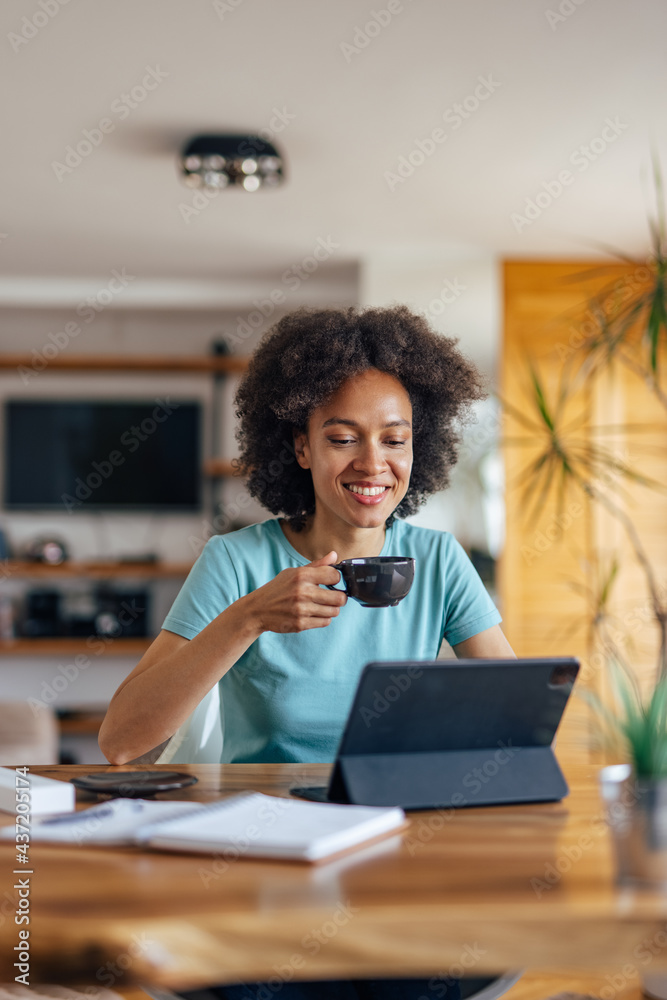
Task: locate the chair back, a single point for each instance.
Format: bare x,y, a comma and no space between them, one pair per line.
199,739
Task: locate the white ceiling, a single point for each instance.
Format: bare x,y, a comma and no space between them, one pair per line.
230,63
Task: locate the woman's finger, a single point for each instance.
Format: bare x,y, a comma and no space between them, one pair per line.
328,599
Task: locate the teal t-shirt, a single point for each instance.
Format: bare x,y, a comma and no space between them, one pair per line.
287,698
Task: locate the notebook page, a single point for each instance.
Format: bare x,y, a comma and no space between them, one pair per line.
111,822
270,826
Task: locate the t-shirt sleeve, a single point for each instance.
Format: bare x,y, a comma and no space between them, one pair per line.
210,587
468,606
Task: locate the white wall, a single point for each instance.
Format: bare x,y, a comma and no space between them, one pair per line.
461,298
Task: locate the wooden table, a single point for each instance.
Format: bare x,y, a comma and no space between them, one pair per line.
473,890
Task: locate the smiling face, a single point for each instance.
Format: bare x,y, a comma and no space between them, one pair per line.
358,448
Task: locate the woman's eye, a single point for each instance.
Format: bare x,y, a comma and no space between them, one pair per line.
351,441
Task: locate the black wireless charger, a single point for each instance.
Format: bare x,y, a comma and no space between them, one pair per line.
134,784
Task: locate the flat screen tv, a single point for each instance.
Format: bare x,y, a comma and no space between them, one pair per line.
86,455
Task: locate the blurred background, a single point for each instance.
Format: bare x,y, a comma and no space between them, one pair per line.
482,163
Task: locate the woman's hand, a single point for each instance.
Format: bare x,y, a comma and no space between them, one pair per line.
294,600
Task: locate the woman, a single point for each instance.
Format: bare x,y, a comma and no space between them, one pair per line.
368,404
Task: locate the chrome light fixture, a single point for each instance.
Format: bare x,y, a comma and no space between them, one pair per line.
220,161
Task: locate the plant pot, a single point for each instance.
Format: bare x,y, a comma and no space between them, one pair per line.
654,984
636,811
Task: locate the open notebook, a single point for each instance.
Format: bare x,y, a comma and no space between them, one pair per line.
249,824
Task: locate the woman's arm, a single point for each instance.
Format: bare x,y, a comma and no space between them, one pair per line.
168,683
490,644
175,674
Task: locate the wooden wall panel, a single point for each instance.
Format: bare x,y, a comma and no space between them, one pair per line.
543,562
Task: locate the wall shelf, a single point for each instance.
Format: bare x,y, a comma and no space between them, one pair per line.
215,366
95,570
82,723
70,646
218,364
217,467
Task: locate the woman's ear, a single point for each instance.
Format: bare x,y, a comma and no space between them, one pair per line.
301,448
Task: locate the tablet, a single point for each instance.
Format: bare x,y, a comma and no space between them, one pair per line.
452,733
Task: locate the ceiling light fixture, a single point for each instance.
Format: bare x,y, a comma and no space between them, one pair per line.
220,161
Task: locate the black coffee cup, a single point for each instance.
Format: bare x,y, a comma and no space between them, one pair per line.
376,581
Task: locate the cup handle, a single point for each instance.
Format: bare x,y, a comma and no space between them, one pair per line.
332,586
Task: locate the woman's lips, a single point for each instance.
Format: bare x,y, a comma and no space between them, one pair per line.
368,501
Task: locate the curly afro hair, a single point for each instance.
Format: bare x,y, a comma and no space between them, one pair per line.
306,356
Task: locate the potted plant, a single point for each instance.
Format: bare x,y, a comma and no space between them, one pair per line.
634,730
626,326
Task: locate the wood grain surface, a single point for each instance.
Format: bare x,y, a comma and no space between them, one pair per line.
461,891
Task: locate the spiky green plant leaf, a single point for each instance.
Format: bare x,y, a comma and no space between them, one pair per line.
635,726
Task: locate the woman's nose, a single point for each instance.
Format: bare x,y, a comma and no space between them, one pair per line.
370,460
